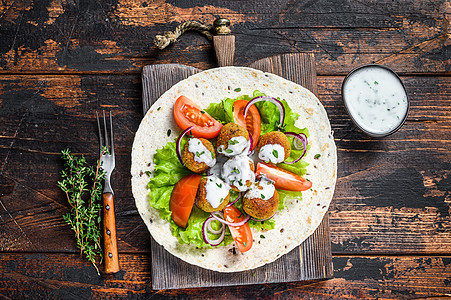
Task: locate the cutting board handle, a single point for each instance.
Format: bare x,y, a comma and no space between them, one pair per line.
223,43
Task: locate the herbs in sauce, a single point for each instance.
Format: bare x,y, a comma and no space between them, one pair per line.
376,99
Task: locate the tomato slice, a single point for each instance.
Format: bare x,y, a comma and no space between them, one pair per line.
283,179
253,122
182,198
241,234
187,114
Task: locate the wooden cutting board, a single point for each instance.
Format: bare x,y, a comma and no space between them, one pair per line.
311,261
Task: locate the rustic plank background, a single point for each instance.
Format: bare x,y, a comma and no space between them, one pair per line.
61,60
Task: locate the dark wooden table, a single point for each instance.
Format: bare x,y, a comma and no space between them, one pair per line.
62,60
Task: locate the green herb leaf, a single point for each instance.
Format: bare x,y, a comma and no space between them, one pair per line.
202,112
236,171
275,153
237,90
148,173
262,196
169,132
158,108
233,142
317,156
228,150
219,185
262,236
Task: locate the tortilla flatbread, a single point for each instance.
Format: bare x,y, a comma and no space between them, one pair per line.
296,222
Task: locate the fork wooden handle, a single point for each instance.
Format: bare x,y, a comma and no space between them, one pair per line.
109,235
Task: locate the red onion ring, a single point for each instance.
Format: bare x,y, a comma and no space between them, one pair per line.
234,201
179,142
261,220
207,240
273,100
212,230
220,218
298,137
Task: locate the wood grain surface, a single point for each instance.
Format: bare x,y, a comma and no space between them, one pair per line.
355,277
60,61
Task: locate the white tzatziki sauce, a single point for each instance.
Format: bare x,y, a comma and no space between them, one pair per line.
235,146
236,171
201,153
264,189
216,191
272,153
376,99
216,169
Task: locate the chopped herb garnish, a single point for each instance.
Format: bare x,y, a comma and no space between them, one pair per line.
233,142
275,153
239,217
148,173
240,182
212,155
375,82
158,108
202,112
236,171
169,132
222,199
237,90
228,151
388,109
199,154
262,236
317,156
263,196
219,185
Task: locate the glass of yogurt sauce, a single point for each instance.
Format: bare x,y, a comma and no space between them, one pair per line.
376,99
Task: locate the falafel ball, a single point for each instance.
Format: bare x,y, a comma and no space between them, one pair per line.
213,194
274,146
259,205
238,171
233,139
198,155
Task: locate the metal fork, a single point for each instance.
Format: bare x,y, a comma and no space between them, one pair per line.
107,160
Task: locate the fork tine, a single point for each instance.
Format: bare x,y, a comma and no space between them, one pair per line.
106,132
111,134
100,131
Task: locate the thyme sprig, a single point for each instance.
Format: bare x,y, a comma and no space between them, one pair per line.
82,185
